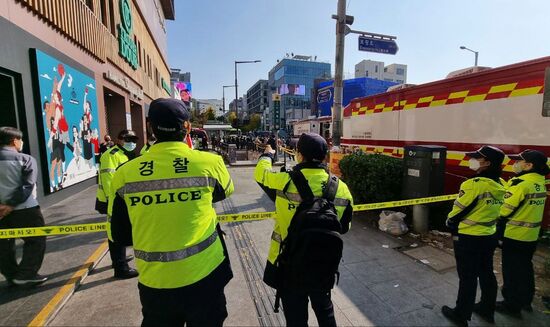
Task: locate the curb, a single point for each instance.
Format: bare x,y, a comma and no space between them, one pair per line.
52,308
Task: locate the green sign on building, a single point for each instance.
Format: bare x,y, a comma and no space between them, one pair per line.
127,48
166,86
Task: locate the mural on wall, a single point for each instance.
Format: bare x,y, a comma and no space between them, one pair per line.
68,104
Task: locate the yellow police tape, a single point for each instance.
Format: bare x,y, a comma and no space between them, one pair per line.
102,227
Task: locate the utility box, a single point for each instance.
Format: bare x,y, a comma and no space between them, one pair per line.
424,171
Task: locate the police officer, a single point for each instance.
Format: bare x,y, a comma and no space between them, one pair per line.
151,139
519,226
113,158
162,203
312,150
473,223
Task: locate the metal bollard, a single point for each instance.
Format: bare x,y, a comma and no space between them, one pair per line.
421,215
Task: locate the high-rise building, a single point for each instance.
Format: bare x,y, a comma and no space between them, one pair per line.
375,69
257,97
177,76
293,79
93,65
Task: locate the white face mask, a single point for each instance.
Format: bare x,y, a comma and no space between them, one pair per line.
474,164
129,146
517,167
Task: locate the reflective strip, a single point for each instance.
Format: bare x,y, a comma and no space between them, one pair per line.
107,170
295,197
485,195
228,185
523,224
481,223
276,237
166,184
535,195
458,204
176,255
509,206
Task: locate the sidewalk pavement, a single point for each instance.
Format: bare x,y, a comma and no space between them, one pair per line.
65,254
379,285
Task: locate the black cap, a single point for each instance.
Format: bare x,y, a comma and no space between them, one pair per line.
312,146
168,115
537,158
491,153
128,135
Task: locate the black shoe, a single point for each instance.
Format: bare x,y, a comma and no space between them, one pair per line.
126,273
36,280
127,259
453,316
488,317
503,308
527,308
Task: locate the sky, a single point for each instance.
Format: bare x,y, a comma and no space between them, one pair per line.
207,36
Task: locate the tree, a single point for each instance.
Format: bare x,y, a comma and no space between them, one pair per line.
254,124
232,118
210,115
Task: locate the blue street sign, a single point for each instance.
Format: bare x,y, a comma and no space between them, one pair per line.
377,45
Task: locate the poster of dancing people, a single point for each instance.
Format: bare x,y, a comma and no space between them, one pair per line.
70,120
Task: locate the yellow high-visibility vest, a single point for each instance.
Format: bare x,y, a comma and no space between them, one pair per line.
168,192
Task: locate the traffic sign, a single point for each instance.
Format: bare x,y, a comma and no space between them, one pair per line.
377,45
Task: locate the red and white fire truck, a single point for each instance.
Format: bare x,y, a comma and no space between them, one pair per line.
507,107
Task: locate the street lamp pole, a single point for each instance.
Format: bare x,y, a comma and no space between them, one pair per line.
223,96
476,53
237,85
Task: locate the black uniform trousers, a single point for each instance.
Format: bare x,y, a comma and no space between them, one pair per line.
517,271
200,304
118,256
33,248
474,260
295,306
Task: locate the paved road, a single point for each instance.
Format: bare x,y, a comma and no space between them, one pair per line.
379,285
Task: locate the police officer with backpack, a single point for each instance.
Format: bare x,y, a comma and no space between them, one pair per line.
313,209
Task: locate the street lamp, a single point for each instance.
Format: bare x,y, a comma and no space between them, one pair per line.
223,96
236,84
475,52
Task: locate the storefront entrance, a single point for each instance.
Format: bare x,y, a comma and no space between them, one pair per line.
12,111
115,111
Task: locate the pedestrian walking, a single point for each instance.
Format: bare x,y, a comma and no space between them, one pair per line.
162,204
19,209
110,161
312,209
472,222
519,227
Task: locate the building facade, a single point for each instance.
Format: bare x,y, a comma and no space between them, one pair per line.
375,69
205,104
75,70
293,79
257,97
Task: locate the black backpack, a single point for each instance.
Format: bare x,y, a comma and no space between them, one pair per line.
310,254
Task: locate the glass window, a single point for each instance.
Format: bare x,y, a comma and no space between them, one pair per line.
376,69
279,73
400,71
